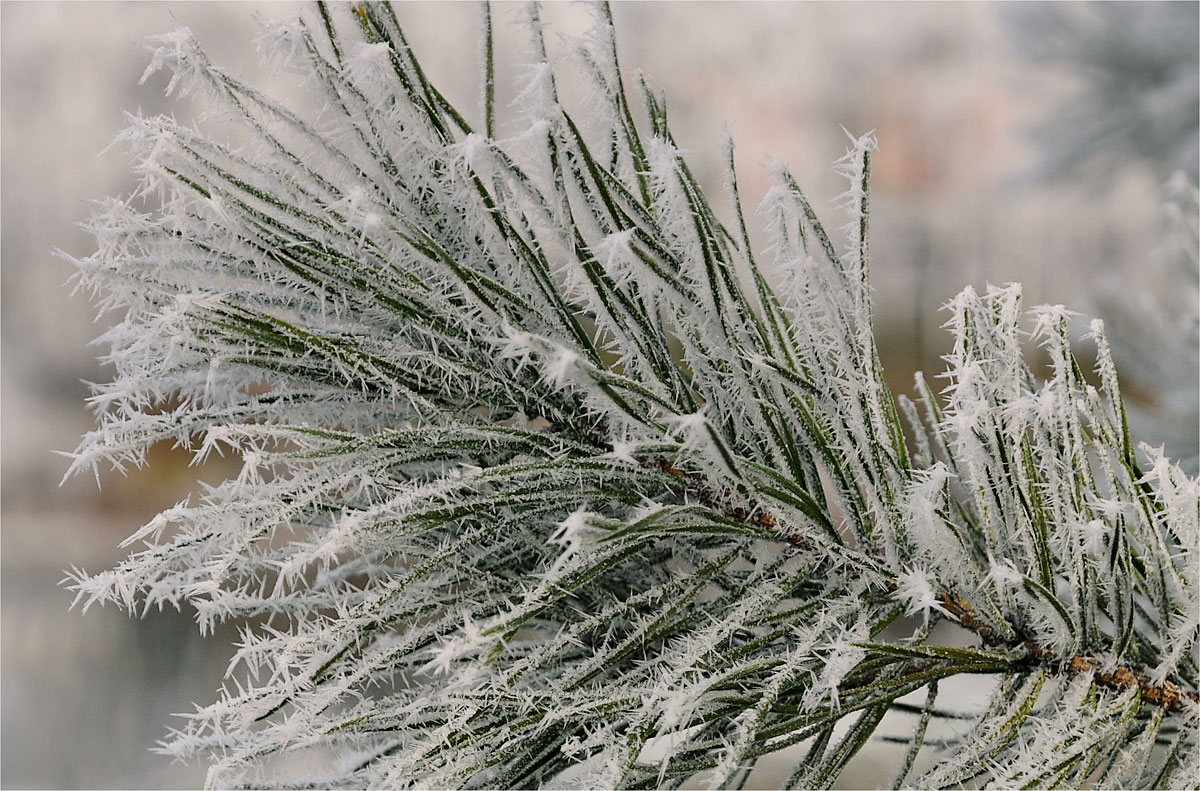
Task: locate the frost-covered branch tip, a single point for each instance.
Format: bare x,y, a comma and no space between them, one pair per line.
549,478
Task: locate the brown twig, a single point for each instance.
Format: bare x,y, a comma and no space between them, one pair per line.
1168,694
758,517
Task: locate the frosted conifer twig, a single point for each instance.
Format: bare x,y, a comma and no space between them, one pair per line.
544,466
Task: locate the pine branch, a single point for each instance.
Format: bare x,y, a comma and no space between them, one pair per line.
549,478
1168,693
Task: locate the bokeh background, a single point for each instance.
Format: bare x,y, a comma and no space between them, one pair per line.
1021,142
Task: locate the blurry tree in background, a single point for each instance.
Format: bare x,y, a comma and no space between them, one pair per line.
1132,100
1137,84
1155,333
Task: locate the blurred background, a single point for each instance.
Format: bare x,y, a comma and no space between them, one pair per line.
1023,142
